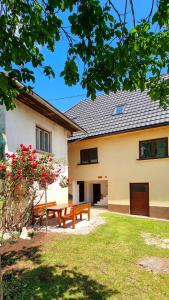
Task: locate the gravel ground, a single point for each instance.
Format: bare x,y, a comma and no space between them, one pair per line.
82,227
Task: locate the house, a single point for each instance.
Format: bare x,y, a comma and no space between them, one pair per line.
122,161
36,122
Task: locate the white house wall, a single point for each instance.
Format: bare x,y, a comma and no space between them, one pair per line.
21,129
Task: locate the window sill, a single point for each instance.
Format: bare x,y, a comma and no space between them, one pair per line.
44,152
94,163
156,158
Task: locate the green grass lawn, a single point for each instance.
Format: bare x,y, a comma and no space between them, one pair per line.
101,265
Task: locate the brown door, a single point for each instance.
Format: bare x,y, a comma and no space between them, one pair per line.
139,199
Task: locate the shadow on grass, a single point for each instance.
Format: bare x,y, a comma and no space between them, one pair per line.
27,253
49,283
45,281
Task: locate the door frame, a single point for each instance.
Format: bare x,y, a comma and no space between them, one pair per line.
147,183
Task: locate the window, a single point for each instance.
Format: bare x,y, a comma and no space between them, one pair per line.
88,156
43,140
118,110
139,187
157,148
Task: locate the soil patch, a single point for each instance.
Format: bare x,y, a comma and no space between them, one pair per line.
37,240
24,251
155,264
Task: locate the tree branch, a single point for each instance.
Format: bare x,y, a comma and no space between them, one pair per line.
133,14
151,11
117,12
69,38
125,11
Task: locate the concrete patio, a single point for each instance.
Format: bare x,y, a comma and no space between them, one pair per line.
82,227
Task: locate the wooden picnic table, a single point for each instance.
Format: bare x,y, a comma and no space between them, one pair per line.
58,209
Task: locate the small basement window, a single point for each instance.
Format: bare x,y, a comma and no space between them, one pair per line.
118,110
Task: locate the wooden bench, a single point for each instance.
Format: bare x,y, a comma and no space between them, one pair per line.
39,212
76,210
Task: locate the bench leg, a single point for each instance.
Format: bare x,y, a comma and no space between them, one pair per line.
59,218
64,223
80,217
88,214
40,220
74,222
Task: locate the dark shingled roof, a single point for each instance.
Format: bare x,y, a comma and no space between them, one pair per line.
97,119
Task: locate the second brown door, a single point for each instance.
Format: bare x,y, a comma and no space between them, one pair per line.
139,199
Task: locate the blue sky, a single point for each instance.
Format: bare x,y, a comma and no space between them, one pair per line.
55,89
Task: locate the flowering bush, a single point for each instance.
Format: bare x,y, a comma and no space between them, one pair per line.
24,165
19,172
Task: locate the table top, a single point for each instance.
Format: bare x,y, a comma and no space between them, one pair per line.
57,207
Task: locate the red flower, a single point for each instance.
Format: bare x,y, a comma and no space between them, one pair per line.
2,167
24,148
34,165
44,174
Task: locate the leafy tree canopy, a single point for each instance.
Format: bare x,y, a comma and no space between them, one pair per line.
115,55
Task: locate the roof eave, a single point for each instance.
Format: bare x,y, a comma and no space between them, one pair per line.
40,105
119,132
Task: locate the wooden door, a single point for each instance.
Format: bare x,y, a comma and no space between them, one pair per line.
139,199
81,191
96,192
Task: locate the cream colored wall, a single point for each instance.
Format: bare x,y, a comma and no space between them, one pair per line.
118,163
21,129
88,190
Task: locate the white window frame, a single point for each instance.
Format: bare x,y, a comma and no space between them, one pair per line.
41,144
